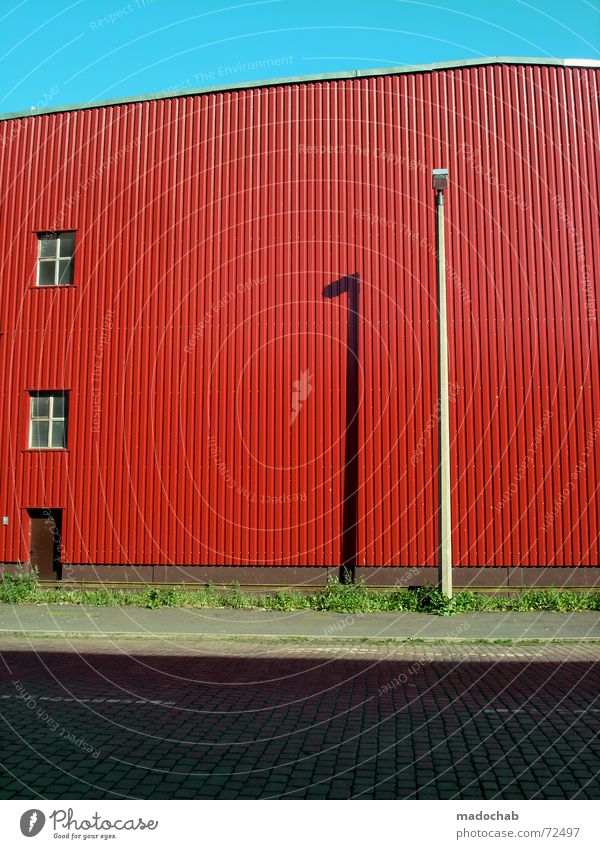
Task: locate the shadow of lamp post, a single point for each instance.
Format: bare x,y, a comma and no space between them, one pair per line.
349,285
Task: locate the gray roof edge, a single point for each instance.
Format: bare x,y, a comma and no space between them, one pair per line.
334,75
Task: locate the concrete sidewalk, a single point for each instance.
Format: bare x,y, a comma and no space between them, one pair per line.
55,619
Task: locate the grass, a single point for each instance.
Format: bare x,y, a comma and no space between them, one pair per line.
335,597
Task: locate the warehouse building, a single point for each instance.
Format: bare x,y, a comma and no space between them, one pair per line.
219,339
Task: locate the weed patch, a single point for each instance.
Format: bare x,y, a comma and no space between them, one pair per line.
334,597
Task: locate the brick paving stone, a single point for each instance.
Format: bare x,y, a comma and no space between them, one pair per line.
262,720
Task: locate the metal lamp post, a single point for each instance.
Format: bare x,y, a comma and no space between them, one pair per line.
440,182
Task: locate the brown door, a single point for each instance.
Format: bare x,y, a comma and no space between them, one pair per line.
44,549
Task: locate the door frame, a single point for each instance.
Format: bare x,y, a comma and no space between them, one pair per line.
48,512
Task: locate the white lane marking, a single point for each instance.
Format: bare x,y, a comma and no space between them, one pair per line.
440,706
538,711
100,699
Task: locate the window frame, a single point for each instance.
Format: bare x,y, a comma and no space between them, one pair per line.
51,394
56,259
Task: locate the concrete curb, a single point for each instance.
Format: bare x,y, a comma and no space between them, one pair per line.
300,638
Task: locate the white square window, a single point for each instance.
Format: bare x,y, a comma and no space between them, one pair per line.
48,420
56,258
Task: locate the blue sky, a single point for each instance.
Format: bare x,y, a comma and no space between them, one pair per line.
79,51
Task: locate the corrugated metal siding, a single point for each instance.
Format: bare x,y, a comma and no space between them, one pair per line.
206,237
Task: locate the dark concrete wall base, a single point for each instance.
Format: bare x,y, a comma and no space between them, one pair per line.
161,574
471,577
389,576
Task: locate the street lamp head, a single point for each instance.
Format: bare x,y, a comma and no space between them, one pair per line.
440,179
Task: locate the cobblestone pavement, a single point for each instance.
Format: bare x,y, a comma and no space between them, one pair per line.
143,718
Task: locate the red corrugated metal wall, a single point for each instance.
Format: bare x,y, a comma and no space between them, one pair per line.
223,399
